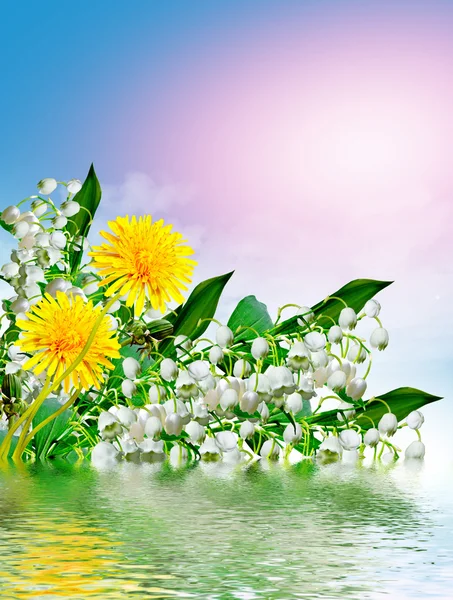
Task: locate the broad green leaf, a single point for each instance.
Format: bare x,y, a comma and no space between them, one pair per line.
401,402
251,313
14,440
6,227
201,304
88,198
50,433
356,294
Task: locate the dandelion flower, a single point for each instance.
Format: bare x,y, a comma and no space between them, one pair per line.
143,259
56,332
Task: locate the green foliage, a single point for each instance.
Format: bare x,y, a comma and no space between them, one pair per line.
250,313
50,433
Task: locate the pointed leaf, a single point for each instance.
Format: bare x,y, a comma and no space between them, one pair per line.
251,313
49,434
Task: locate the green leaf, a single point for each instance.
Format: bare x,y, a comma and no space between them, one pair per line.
251,313
14,441
6,227
50,433
88,198
356,294
201,304
401,402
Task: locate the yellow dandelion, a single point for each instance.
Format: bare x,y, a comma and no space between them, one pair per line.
144,259
56,332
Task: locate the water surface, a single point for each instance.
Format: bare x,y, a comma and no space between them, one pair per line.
213,531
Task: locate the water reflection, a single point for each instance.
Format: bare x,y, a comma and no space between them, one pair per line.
215,531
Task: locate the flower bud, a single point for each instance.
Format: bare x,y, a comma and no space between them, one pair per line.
372,308
346,411
263,409
356,388
357,353
153,427
306,315
10,215
379,338
247,430
47,186
415,450
270,450
335,334
74,186
216,355
38,207
69,208
337,381
21,228
372,437
128,388
388,424
260,348
242,368
347,318
350,439
229,399
58,240
294,403
249,402
183,344
319,359
292,434
131,367
157,394
168,369
224,336
173,424
315,341
11,387
59,222
21,305
57,285
196,432
415,419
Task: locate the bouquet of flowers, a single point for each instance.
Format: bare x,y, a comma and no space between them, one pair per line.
95,363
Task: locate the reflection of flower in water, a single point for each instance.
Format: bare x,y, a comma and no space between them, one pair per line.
61,558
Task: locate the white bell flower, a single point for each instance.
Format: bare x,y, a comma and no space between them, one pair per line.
13,367
249,402
199,370
350,439
229,399
379,338
183,345
226,440
200,414
128,388
14,353
372,437
315,341
10,215
260,348
415,450
292,434
185,386
59,222
136,431
372,308
153,427
211,399
58,240
21,228
415,419
104,455
206,384
335,334
151,450
180,409
281,380
356,353
47,186
246,430
126,416
109,426
270,450
298,357
337,381
42,240
356,388
388,424
330,449
90,286
346,411
10,270
76,291
224,336
347,318
307,387
178,454
307,315
294,403
196,432
173,424
319,359
168,369
157,394
131,367
242,368
263,409
38,207
20,305
209,449
320,376
216,355
114,307
262,385
48,257
73,186
69,208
